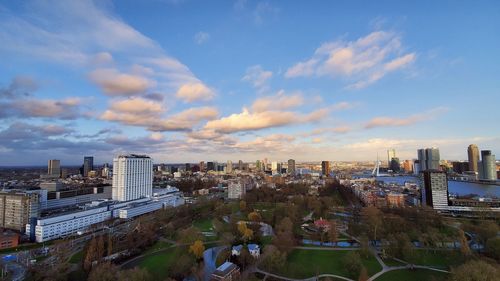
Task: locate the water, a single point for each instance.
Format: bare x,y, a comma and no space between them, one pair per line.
456,187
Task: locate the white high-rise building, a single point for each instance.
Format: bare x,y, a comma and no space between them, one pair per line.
132,177
276,167
391,153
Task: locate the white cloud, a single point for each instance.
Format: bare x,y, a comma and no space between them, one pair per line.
250,121
150,114
280,101
361,62
258,77
406,121
85,35
201,37
114,83
194,92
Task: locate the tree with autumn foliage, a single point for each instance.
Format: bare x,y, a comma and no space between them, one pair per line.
254,216
197,249
246,233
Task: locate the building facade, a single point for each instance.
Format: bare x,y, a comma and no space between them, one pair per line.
473,154
487,166
325,168
18,207
236,190
428,159
88,165
434,189
291,167
54,168
132,177
391,153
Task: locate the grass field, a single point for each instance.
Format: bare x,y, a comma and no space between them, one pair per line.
158,264
203,224
76,257
440,258
158,246
413,275
308,263
392,262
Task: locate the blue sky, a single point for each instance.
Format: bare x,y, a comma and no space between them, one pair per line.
217,80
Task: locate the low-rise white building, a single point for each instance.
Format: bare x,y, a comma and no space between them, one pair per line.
61,225
57,226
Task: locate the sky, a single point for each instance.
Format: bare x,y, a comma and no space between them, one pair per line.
189,81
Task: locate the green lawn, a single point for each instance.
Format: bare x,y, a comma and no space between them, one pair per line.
266,240
308,263
440,258
413,275
158,246
392,262
158,264
76,257
203,224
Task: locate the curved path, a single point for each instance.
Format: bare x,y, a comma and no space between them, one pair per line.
209,260
307,279
387,269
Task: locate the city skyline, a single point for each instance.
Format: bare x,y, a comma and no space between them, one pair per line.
248,80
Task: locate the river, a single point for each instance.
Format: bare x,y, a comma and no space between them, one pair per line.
456,187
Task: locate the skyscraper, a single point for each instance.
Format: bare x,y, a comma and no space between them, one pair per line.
276,167
258,165
54,168
434,189
211,166
291,167
432,158
473,153
395,166
422,160
202,166
325,168
428,159
229,167
240,165
132,177
88,165
391,153
487,166
408,166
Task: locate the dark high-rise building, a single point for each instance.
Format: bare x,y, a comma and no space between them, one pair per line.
473,153
202,166
88,165
187,167
395,166
428,159
325,168
434,189
240,165
211,166
460,167
291,167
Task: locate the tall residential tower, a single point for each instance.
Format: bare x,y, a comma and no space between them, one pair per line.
473,153
132,177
